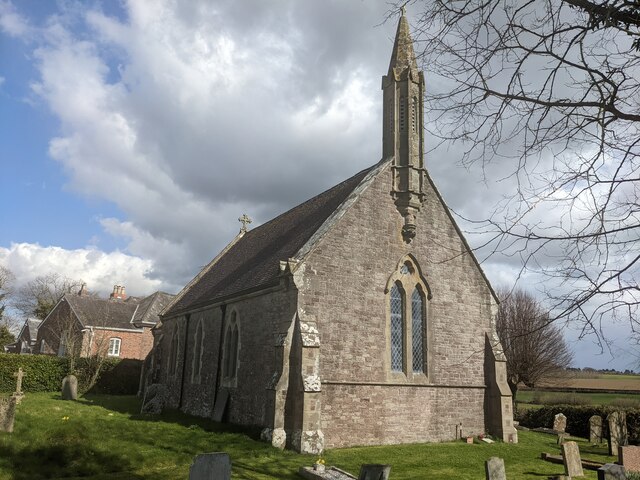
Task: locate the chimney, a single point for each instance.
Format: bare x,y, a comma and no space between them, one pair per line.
118,293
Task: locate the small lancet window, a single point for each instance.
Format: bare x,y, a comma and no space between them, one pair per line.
397,328
414,112
417,331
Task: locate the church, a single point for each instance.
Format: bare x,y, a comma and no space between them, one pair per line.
359,317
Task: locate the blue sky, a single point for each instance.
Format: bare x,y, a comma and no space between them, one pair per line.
133,135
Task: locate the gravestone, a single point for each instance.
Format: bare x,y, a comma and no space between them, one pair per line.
562,437
211,466
595,429
70,388
560,422
617,431
629,457
611,471
571,459
155,398
18,394
7,413
374,471
494,469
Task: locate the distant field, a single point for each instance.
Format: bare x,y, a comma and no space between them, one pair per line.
599,382
531,396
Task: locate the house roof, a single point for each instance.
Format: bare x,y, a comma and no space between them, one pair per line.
252,259
108,313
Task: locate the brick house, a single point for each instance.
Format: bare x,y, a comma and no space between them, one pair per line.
359,317
119,326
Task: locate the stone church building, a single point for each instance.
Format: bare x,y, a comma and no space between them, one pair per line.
359,317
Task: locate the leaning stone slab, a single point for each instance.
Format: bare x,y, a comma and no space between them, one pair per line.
220,405
155,399
571,458
7,413
629,458
331,473
211,466
494,469
70,388
595,429
617,431
560,423
612,471
374,472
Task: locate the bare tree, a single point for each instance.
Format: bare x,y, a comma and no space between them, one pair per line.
38,297
6,288
550,91
535,348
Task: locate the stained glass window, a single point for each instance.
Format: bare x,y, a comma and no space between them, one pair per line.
417,332
397,329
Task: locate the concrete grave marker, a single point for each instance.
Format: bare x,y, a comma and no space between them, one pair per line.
571,459
560,423
494,469
617,431
629,457
374,472
18,394
7,413
211,466
70,388
595,429
611,471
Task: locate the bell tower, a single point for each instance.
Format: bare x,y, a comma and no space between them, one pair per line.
402,131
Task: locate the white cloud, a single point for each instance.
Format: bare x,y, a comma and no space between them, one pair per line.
11,22
98,269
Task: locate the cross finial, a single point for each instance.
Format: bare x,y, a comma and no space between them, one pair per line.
245,220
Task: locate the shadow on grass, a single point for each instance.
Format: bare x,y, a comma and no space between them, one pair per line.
65,453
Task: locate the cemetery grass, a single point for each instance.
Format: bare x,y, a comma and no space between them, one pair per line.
104,437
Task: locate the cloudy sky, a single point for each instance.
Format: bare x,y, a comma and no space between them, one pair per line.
134,134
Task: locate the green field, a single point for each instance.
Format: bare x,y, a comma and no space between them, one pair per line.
530,396
104,437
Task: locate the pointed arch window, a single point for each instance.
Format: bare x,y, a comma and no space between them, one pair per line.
173,352
397,328
417,331
196,364
408,295
231,349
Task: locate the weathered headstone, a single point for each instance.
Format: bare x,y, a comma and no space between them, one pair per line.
211,466
560,422
617,431
220,405
562,437
611,471
629,457
7,413
374,472
155,398
70,388
595,429
494,469
571,459
18,394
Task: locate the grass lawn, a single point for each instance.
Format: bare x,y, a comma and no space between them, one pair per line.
104,437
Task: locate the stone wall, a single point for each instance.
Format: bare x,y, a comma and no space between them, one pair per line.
343,293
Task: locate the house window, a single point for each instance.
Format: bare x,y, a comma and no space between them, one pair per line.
407,343
173,353
397,329
196,364
231,348
114,347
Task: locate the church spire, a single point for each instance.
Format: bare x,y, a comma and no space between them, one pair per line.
403,57
402,131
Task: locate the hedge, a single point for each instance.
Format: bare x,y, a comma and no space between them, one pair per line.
578,418
44,373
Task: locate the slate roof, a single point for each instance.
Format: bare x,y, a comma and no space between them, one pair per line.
129,314
33,324
253,261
